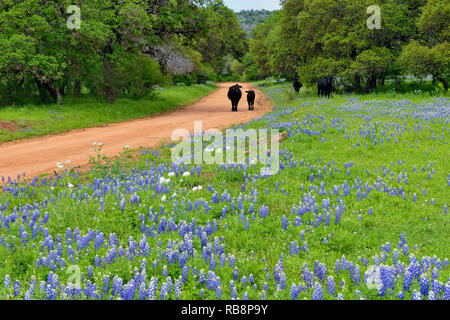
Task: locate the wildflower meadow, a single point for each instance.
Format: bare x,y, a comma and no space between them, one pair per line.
357,210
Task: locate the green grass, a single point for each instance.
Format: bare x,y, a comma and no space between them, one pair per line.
257,250
85,112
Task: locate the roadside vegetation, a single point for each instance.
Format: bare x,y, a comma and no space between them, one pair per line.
17,122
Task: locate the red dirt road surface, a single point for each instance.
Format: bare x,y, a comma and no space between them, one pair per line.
40,155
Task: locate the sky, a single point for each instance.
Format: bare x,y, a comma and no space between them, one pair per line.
238,5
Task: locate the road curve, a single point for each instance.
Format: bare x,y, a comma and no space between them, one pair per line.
39,155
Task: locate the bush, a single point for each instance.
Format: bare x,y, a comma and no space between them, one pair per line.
205,73
251,70
181,79
252,73
230,77
141,75
237,67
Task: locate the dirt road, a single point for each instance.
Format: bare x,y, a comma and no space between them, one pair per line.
40,155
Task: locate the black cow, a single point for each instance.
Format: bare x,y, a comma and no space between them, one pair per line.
234,94
325,86
297,84
251,99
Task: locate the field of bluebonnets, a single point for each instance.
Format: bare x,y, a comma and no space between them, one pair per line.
358,210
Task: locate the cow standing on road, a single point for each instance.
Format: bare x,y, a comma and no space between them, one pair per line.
251,99
325,86
235,95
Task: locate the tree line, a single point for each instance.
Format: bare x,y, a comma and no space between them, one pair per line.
123,47
249,19
320,38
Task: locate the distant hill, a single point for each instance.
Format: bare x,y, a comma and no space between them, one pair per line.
249,19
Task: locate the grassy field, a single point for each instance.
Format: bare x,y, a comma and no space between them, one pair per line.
358,210
17,122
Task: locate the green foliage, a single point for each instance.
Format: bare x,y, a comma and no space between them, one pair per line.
320,38
225,38
115,51
420,61
251,71
237,67
139,74
434,21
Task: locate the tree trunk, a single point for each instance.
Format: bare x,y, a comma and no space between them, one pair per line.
382,80
107,69
63,88
42,92
77,88
444,82
357,82
110,95
371,83
54,92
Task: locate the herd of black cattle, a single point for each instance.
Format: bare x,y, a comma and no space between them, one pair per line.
324,88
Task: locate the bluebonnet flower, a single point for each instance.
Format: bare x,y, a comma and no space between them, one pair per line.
337,266
177,288
405,250
435,286
407,281
416,295
210,280
142,292
317,294
284,222
321,271
7,281
122,204
432,296
169,284
331,286
308,277
424,284
294,291
232,261
387,279
235,274
90,271
218,292
395,255
212,262
446,295
337,218
163,294
16,288
264,211
201,277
